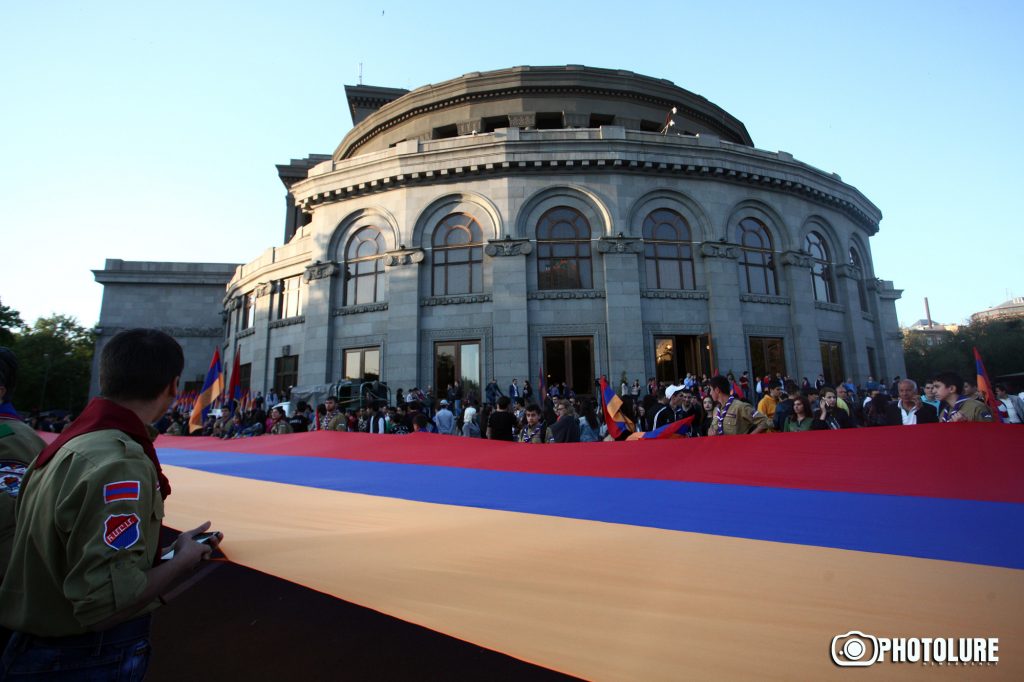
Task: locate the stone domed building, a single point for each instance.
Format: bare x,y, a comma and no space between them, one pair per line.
566,220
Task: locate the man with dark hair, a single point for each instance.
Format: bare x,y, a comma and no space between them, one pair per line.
958,408
501,423
732,416
420,423
1011,404
19,445
83,576
785,407
533,429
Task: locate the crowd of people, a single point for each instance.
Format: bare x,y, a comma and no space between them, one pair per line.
719,405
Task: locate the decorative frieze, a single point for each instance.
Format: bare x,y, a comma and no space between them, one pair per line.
245,332
470,126
849,271
288,321
695,294
508,247
364,308
320,270
176,332
833,307
262,289
232,304
523,119
576,120
619,244
404,257
564,294
456,300
719,250
764,298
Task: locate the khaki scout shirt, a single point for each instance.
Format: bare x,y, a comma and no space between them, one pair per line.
741,418
280,427
88,530
19,445
972,411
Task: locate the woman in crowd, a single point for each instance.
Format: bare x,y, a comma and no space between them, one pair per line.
802,416
709,409
566,428
470,428
830,415
590,427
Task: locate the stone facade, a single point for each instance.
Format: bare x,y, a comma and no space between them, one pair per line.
402,172
568,220
183,299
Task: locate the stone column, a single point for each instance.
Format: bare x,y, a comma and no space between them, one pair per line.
802,316
855,354
725,315
891,356
623,312
317,365
511,348
401,360
262,356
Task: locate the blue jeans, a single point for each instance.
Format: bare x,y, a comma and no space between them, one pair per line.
120,653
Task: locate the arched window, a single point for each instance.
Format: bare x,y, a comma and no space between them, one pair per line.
757,267
668,253
857,262
563,250
821,276
458,256
364,269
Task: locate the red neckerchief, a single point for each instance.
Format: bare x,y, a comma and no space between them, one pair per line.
101,414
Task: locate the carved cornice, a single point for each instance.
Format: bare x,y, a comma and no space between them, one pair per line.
849,271
232,304
564,294
508,247
887,291
797,259
698,294
719,250
619,245
177,332
455,300
288,321
894,336
523,119
261,290
470,126
763,298
834,307
245,332
320,270
364,308
404,257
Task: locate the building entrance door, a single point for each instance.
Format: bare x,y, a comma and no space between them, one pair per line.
570,359
676,356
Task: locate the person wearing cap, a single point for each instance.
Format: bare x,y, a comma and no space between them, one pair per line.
19,445
84,574
732,416
444,420
670,398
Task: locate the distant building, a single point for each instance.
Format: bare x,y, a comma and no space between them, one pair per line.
933,333
1008,309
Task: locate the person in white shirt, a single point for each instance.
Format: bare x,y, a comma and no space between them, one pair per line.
1013,404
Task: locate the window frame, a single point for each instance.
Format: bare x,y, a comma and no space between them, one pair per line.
375,277
683,257
442,253
547,261
821,267
765,264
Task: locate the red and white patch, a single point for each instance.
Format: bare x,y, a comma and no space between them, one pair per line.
121,531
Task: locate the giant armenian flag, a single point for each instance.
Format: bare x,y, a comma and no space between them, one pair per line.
710,558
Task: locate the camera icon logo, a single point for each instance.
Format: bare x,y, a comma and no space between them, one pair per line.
854,649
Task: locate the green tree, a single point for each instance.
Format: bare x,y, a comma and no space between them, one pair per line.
55,358
1000,342
10,323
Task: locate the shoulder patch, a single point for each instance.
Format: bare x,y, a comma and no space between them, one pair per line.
11,474
121,531
120,490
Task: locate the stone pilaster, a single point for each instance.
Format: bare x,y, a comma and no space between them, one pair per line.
511,349
262,359
855,352
622,307
806,350
725,315
317,363
893,363
403,318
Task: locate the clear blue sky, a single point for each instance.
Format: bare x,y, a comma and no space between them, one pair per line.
150,132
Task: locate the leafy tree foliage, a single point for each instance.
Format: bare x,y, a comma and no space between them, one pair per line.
54,358
10,322
1000,342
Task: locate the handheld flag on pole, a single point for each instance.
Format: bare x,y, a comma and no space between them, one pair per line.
235,386
213,387
611,403
543,393
985,388
676,429
738,391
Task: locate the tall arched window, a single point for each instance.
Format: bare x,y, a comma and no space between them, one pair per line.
458,256
821,276
757,266
364,269
668,253
563,250
858,262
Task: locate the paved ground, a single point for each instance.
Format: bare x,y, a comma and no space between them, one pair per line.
237,623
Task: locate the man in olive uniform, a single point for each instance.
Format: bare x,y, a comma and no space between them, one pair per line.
83,576
732,416
955,407
332,415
